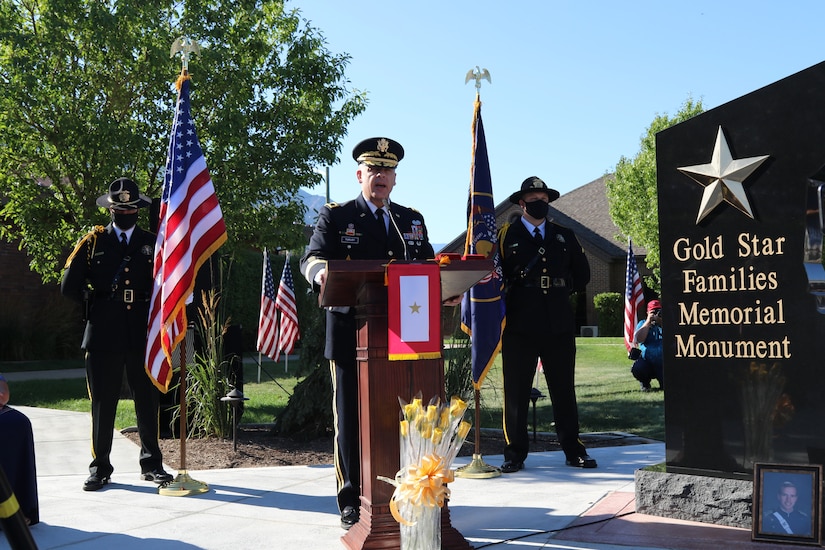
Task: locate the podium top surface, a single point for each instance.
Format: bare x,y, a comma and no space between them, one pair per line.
345,277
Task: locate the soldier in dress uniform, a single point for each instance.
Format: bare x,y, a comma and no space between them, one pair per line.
542,263
17,459
359,229
785,518
110,273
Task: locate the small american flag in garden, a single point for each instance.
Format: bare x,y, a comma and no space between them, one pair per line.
633,297
267,323
285,304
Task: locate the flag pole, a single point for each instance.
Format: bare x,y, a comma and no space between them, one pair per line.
183,484
183,412
477,468
260,355
280,315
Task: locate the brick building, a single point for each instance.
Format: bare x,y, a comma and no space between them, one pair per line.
33,316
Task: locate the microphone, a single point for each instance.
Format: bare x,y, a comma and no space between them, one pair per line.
392,221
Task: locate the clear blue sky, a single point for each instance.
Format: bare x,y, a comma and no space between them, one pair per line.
574,84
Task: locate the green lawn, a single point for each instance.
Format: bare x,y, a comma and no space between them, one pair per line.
609,397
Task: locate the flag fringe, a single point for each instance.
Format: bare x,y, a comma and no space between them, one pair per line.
413,356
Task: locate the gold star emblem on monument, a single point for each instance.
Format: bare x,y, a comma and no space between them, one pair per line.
722,178
415,307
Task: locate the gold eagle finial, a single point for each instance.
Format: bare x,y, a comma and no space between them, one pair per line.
187,47
478,75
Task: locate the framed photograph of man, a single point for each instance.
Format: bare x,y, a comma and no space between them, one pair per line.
786,503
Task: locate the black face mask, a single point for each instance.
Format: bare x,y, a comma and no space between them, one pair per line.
537,209
124,221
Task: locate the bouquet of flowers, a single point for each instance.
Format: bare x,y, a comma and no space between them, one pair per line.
431,437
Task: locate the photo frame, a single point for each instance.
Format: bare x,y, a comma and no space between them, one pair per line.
787,502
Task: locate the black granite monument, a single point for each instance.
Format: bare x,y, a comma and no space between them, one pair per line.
740,210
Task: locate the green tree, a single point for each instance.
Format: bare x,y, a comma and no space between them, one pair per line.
632,193
88,96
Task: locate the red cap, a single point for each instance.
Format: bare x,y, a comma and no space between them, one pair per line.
653,304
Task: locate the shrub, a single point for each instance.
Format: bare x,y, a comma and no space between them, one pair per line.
207,377
610,312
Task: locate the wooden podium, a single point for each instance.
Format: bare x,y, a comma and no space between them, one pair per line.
381,382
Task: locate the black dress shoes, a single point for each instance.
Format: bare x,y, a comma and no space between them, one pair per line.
95,482
511,466
584,461
158,476
349,517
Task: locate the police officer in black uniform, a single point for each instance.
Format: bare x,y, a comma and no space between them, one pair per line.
359,229
110,273
542,263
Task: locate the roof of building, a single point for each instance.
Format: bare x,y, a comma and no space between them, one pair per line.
585,210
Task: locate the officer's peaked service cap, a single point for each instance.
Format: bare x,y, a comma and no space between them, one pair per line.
378,151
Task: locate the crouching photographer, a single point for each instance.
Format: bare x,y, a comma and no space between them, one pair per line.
648,338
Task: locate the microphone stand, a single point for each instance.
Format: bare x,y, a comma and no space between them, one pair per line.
398,231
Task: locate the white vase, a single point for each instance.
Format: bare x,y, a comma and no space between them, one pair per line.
425,534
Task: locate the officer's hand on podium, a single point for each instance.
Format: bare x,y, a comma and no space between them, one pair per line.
454,301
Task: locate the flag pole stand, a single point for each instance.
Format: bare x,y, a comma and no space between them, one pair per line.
477,469
183,485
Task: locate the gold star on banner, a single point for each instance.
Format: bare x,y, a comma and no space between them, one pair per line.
414,308
723,178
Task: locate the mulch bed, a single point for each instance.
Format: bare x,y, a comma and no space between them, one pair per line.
258,446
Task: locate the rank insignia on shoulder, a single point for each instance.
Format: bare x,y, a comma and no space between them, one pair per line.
332,205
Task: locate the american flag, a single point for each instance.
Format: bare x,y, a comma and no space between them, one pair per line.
285,304
190,229
632,297
482,309
267,322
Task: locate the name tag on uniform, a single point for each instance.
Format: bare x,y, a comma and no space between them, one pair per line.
349,240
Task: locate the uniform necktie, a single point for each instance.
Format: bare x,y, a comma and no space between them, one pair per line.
537,234
123,242
379,216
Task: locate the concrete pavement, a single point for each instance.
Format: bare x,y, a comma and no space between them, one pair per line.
546,505
293,506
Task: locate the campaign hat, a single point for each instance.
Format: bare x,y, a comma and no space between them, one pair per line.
123,195
534,183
